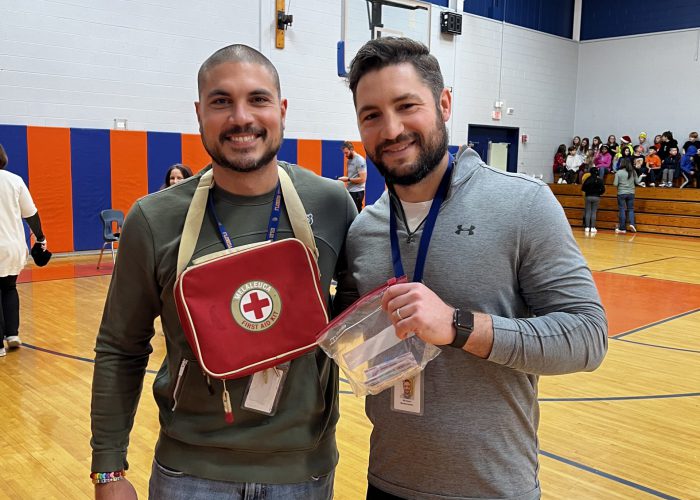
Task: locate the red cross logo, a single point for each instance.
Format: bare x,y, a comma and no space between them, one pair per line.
256,305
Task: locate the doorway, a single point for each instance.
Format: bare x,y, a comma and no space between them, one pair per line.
497,144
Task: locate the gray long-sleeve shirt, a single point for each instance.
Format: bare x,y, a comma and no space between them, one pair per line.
501,245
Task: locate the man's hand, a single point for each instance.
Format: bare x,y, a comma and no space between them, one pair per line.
344,178
413,307
117,490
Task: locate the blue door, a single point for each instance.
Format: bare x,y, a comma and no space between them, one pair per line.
480,136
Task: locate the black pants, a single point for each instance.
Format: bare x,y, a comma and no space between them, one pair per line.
9,312
377,494
358,197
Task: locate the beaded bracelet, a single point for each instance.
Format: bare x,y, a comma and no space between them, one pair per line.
107,477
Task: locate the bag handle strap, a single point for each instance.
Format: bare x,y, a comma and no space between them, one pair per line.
195,216
297,215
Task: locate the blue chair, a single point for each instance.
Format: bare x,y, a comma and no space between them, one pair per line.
112,222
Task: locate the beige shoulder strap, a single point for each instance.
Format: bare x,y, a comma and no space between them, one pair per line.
195,217
297,214
193,221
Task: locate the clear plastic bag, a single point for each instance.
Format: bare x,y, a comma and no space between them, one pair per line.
363,342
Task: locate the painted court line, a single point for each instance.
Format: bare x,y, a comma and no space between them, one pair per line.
659,346
606,475
660,322
620,398
636,264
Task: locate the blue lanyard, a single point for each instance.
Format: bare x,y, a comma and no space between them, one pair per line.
427,230
271,225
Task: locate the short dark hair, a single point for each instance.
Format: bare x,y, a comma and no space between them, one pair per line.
237,53
3,157
348,144
382,52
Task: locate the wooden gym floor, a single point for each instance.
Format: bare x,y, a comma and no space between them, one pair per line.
631,429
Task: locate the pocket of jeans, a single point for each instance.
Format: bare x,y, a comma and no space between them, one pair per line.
168,472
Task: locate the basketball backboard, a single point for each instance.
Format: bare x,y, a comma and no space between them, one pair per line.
363,20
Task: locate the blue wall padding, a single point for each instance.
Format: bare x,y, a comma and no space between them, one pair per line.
91,183
548,16
164,149
288,151
611,18
375,183
332,160
14,139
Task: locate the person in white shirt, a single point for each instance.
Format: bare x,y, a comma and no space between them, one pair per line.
15,204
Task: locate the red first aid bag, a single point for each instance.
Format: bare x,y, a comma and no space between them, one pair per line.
253,307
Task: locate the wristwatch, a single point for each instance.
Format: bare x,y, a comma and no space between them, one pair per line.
464,326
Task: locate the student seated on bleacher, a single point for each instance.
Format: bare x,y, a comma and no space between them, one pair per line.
573,162
653,167
689,169
639,164
669,167
559,163
602,160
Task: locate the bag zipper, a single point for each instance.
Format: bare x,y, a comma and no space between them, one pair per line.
178,383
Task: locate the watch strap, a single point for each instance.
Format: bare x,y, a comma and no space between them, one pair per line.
464,326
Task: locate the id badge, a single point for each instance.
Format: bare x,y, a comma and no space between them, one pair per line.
264,390
407,395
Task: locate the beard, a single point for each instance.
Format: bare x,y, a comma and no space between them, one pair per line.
244,163
432,150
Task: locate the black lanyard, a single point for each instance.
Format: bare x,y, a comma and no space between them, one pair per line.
427,229
271,225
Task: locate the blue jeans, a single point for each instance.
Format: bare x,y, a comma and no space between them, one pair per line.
168,484
625,201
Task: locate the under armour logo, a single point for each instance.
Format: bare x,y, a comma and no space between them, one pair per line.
460,229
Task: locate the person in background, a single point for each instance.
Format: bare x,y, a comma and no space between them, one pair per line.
593,188
176,173
576,142
602,161
613,146
357,174
559,163
692,141
584,147
573,162
15,204
639,164
667,143
653,163
657,142
596,144
670,167
625,152
643,143
688,169
625,181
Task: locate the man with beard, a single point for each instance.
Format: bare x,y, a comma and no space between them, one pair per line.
497,282
357,174
291,454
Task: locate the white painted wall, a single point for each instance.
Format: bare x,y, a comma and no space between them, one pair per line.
83,63
660,91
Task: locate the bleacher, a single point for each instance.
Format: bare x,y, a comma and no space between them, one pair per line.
657,210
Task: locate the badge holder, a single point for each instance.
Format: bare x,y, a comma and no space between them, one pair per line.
407,395
264,390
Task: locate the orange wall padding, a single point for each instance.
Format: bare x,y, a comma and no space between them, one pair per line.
193,153
48,154
309,154
129,156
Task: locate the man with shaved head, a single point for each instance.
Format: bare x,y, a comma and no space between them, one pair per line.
287,453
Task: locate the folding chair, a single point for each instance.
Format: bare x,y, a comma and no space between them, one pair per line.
112,221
